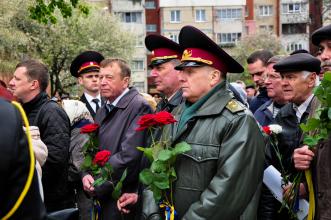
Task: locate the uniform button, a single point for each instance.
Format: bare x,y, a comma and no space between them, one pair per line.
199,158
320,194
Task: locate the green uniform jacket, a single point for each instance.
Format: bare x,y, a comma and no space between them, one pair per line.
220,178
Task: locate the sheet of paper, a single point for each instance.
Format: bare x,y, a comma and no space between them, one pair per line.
273,180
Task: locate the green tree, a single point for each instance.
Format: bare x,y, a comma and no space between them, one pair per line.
57,44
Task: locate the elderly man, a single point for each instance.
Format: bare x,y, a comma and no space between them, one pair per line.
224,157
118,121
166,55
299,75
257,68
86,68
29,86
320,160
266,113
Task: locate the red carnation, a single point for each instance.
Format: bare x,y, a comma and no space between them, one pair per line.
158,119
266,130
101,157
89,128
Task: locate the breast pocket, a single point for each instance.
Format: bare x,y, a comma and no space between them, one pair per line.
196,168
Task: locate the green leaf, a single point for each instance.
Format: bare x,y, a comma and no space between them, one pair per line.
327,76
158,166
161,180
124,174
180,148
146,176
311,141
99,181
157,193
172,174
164,155
87,162
117,191
310,125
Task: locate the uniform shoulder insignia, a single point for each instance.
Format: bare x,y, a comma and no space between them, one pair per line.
234,106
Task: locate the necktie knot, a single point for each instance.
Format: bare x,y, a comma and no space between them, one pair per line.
110,107
96,101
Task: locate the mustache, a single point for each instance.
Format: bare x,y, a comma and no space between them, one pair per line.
326,63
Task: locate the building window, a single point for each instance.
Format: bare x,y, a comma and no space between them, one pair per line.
151,27
294,46
293,8
229,13
150,5
175,16
200,15
139,41
131,17
265,10
228,38
137,65
294,28
263,27
140,86
173,37
271,28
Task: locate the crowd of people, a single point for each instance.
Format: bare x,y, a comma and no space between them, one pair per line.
220,177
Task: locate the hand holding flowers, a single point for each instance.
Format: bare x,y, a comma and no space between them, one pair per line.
96,161
162,156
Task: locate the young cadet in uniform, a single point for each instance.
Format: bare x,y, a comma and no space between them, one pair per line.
86,68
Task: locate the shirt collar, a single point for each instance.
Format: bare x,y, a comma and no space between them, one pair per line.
299,110
89,98
114,103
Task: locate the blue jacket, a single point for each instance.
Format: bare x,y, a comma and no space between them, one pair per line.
263,115
259,100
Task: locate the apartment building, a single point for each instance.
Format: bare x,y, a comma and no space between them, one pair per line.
294,27
221,20
132,15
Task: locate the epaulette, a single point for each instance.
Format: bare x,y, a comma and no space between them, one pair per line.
235,106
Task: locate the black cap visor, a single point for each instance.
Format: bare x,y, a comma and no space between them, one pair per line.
158,62
189,64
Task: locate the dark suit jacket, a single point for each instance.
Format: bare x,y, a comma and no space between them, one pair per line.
88,106
117,133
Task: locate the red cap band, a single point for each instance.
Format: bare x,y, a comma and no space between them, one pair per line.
203,56
87,65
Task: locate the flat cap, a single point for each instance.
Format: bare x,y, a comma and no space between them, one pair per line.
200,50
298,62
163,49
88,61
320,34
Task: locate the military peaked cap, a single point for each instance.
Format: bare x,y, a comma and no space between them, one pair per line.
88,61
200,50
163,49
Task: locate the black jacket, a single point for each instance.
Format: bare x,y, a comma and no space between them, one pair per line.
289,139
54,126
14,168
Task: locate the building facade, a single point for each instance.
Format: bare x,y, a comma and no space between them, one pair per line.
132,16
294,24
222,21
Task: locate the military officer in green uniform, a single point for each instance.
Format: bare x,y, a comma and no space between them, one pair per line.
220,177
